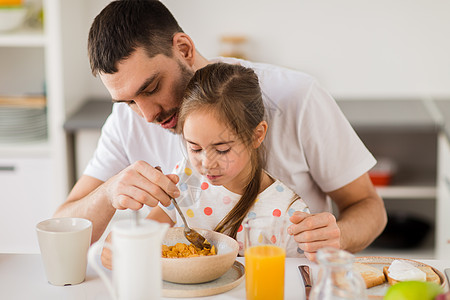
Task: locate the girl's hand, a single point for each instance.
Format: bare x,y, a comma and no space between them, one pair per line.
106,256
314,231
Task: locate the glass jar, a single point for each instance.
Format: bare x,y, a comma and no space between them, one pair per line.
233,46
337,280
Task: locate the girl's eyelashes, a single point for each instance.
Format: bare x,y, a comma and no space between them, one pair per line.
220,152
195,150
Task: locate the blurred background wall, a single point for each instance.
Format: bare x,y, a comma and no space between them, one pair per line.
356,48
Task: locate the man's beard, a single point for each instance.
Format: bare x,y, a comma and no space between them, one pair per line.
179,89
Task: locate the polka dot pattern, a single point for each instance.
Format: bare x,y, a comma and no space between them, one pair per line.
240,228
204,186
251,214
226,200
279,188
188,171
276,212
208,211
291,212
273,239
260,238
190,213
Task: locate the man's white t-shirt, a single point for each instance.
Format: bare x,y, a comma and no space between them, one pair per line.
204,205
310,145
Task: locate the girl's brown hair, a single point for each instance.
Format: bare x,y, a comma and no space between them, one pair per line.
233,95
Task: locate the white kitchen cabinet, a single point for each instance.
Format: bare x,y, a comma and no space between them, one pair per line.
443,181
25,200
35,174
443,195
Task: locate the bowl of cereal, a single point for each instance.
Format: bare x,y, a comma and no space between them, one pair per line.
183,263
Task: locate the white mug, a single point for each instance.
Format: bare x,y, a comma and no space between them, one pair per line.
64,244
136,260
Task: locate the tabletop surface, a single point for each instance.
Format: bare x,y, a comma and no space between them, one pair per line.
22,277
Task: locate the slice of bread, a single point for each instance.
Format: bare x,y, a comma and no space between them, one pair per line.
391,280
431,275
371,275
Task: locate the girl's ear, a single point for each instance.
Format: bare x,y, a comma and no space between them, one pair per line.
184,47
259,134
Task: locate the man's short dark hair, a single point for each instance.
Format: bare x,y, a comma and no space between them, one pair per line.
124,25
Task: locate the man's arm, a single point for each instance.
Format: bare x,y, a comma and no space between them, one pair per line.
136,185
87,200
362,217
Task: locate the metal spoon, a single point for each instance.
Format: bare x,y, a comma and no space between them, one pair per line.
191,235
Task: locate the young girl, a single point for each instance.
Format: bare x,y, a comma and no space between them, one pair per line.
223,181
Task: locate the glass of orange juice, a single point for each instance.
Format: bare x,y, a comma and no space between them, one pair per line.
265,243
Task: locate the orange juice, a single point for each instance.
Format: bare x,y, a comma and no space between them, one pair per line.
264,272
10,2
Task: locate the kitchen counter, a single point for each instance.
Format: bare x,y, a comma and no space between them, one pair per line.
91,115
388,114
22,277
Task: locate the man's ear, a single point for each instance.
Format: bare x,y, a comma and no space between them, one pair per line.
184,47
259,134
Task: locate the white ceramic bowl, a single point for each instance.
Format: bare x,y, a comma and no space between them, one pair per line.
12,17
202,268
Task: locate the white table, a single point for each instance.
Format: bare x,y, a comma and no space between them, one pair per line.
22,276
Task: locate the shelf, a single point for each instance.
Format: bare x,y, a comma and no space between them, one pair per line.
407,192
24,37
393,114
411,184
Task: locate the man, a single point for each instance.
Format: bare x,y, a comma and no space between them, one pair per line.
145,61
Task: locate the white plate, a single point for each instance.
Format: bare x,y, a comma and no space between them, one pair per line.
379,262
226,282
